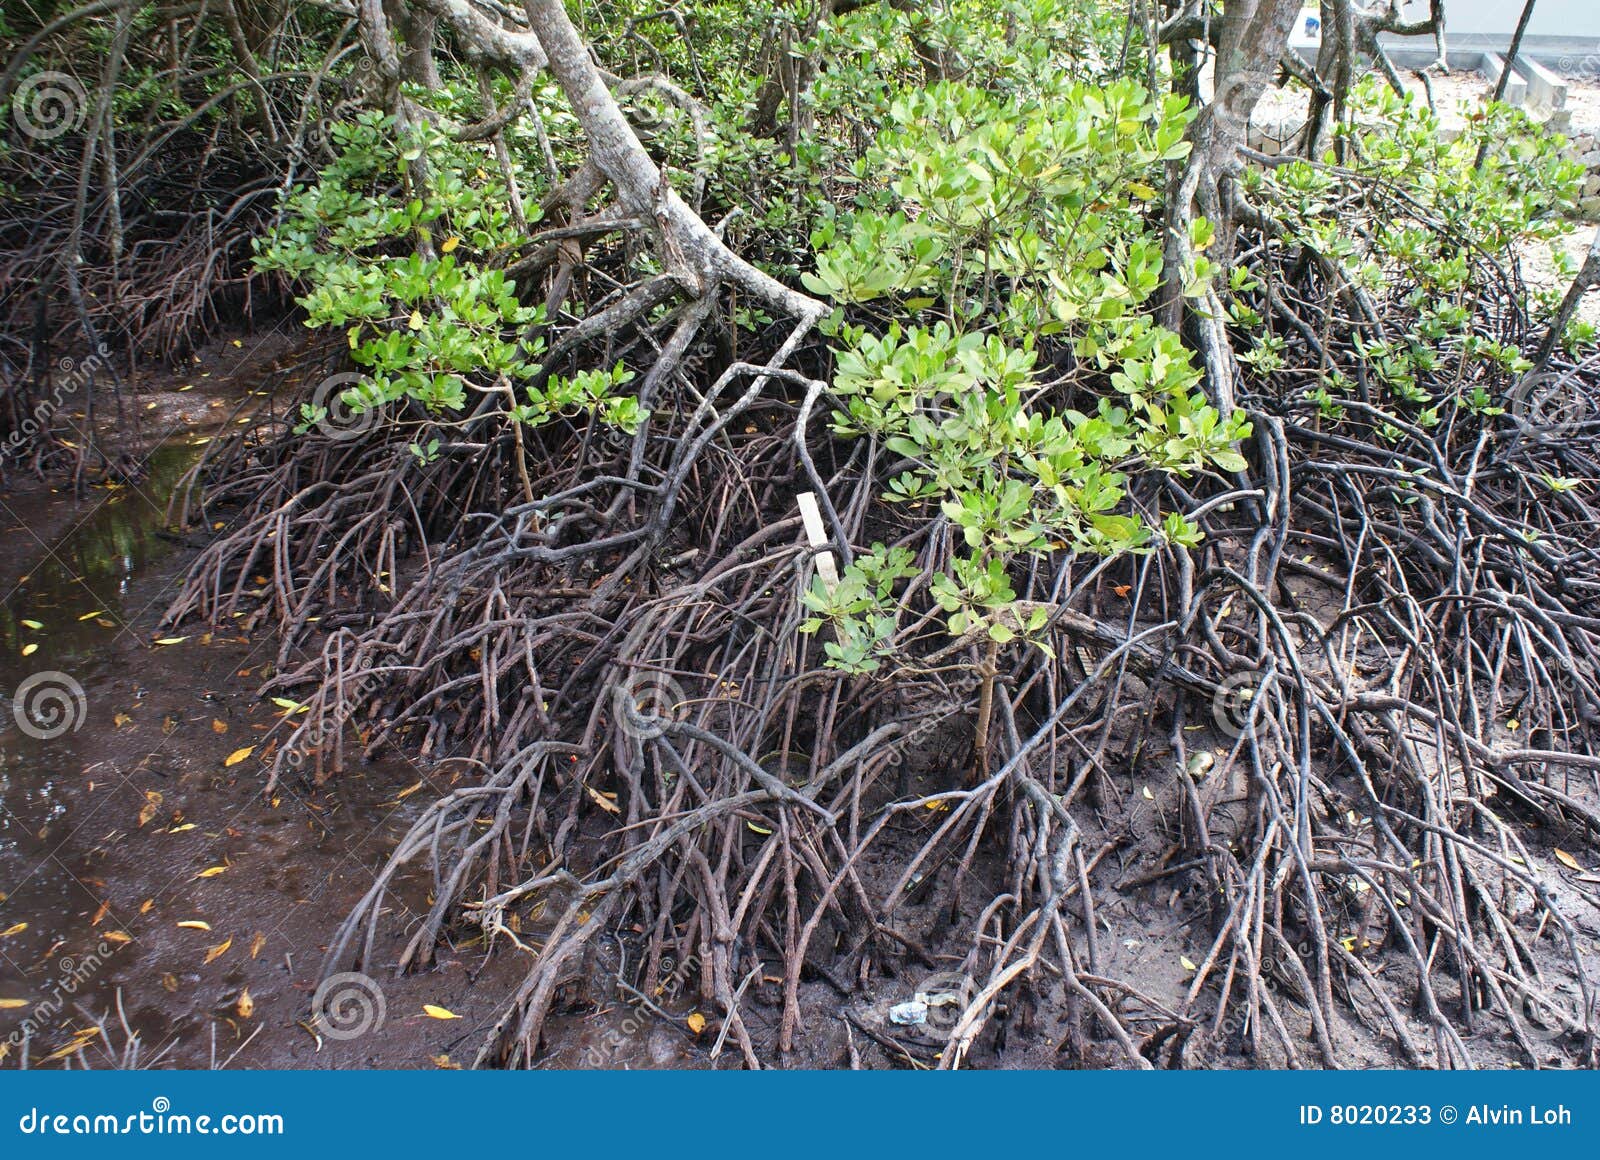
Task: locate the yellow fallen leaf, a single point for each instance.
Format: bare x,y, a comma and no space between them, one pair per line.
433,1012
257,943
1186,964
12,1004
1567,860
218,726
144,907
219,950
29,649
33,624
239,755
211,871
606,801
407,792
92,615
416,320
77,1045
696,1022
121,719
246,1005
171,639
449,244
11,930
118,936
758,829
195,924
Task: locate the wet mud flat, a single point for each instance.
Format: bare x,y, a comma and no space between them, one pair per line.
155,907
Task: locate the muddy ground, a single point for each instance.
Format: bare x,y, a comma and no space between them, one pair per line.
132,823
152,894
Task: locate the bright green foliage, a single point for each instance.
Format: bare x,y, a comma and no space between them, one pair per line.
402,265
1442,229
986,224
586,391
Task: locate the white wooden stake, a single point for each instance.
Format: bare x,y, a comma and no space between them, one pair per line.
811,517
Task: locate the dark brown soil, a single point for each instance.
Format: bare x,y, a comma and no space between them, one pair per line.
114,834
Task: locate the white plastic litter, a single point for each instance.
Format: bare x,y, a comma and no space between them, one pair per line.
911,1014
